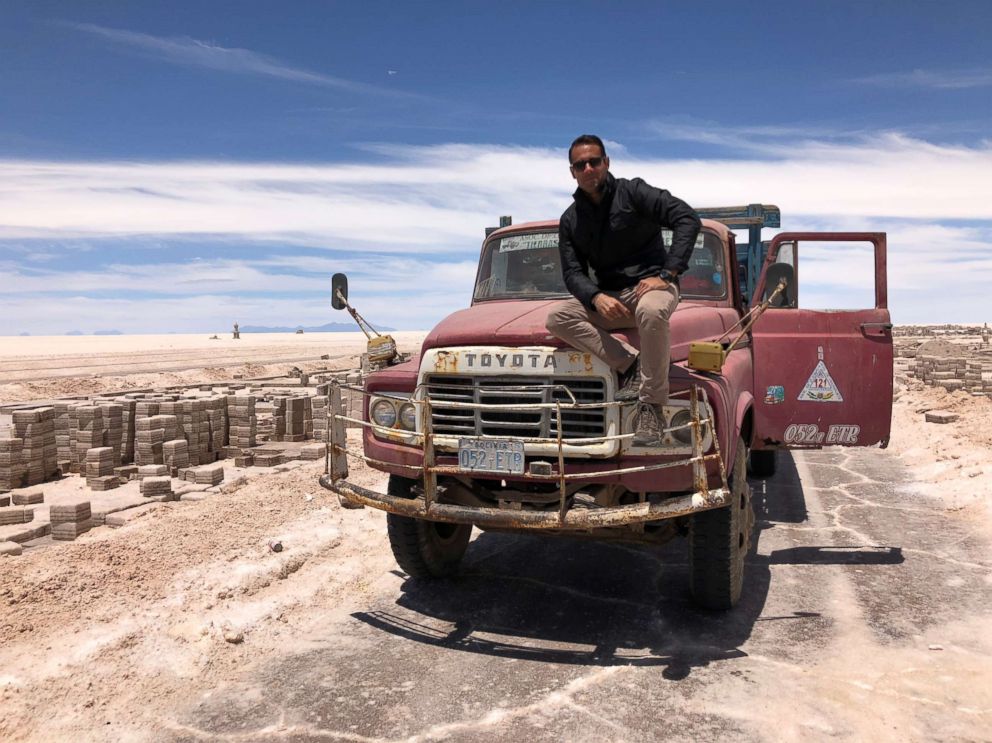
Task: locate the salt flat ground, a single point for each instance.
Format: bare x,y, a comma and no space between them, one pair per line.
54,366
866,616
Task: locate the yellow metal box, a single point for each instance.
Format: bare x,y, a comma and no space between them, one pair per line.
706,356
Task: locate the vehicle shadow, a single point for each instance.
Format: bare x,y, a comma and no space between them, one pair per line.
600,604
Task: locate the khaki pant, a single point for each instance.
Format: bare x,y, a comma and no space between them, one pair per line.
589,331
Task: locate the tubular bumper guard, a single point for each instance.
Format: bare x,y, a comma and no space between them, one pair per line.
566,517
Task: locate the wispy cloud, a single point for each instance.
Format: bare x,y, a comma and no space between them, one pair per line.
935,79
407,227
191,52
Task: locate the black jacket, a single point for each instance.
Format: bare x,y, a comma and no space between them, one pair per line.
620,238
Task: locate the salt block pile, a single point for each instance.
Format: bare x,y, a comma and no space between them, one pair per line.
313,451
36,429
69,520
100,463
208,475
176,453
106,438
157,486
13,474
955,373
268,458
17,522
292,417
243,425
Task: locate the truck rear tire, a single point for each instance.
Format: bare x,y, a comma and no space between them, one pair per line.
761,463
719,541
424,549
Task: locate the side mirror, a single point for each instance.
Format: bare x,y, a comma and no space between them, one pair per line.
339,291
777,272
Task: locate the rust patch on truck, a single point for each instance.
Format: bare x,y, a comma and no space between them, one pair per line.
446,361
584,359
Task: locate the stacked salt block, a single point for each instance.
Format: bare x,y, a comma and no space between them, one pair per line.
209,475
15,515
113,418
151,470
176,453
89,432
70,520
126,472
267,457
297,415
128,408
29,497
353,398
157,486
279,418
978,377
318,406
38,453
188,430
313,451
100,468
148,441
955,373
291,418
13,473
145,409
217,421
243,424
150,434
63,436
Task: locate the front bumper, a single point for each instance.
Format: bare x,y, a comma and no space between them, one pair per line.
567,517
571,520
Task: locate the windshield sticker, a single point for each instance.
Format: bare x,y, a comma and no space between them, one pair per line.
666,236
539,241
820,386
774,394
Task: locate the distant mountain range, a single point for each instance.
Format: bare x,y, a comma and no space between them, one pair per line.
95,332
331,327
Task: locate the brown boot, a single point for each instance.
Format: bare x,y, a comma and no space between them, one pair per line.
650,421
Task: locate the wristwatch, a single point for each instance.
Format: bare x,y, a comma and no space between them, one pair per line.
668,276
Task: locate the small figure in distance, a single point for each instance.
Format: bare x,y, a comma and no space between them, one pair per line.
614,226
237,333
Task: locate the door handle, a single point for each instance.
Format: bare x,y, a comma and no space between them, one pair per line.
876,328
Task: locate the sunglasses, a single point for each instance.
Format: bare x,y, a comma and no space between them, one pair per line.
580,165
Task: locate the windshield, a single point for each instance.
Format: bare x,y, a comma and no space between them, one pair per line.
527,266
521,266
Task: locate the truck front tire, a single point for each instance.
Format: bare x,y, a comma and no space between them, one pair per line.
424,549
719,541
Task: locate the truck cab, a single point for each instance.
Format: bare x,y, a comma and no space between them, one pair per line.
496,424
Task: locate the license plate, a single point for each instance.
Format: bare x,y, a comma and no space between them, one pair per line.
501,456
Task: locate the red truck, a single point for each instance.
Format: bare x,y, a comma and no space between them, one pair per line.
495,424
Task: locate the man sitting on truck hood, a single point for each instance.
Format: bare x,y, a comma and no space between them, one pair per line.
614,227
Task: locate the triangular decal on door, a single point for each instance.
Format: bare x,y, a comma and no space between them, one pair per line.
820,386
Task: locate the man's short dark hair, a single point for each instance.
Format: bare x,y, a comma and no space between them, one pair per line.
586,139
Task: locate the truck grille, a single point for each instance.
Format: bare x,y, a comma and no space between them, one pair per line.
512,391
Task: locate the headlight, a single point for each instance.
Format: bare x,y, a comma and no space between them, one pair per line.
681,418
408,416
383,413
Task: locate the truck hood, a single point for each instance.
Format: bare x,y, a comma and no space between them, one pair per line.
517,323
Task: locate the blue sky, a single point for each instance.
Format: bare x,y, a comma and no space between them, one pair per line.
176,167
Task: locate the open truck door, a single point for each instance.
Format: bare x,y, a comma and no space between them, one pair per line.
821,377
